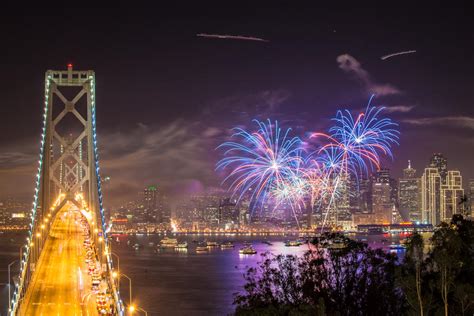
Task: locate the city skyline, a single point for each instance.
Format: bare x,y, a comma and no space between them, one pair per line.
168,137
236,158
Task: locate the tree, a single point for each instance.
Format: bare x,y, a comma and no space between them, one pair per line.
464,297
412,273
348,280
340,276
445,260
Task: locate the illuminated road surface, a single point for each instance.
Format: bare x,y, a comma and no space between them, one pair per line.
61,285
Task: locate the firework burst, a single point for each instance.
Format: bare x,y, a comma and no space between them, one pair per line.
260,161
267,164
362,139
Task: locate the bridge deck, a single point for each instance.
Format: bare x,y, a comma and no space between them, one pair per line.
61,285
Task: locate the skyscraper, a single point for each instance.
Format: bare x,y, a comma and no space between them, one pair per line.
149,197
451,196
149,204
430,196
343,213
382,205
228,213
471,197
359,195
439,162
409,194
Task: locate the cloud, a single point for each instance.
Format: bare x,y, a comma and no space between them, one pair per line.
168,157
14,158
352,66
261,103
453,121
211,132
399,108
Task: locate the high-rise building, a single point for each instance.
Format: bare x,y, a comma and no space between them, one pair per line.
164,209
149,197
471,197
208,209
343,214
430,196
148,210
365,189
394,199
228,214
333,209
382,175
439,162
452,195
359,197
382,205
409,194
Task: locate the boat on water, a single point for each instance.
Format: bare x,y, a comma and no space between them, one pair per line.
249,250
137,246
293,243
212,244
181,245
202,248
397,246
168,242
227,245
334,244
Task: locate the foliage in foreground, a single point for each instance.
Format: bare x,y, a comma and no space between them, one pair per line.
358,280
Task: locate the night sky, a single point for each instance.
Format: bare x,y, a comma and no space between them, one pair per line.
166,98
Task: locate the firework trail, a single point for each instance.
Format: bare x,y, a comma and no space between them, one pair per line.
326,170
233,37
261,161
294,191
397,54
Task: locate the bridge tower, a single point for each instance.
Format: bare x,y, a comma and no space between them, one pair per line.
68,172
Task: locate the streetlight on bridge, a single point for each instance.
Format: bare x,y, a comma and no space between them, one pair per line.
132,308
115,274
9,282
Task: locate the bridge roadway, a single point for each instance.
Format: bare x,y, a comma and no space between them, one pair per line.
61,285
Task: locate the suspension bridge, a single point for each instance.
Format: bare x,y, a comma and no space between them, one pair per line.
66,266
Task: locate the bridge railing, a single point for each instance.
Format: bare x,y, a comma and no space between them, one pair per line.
31,252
